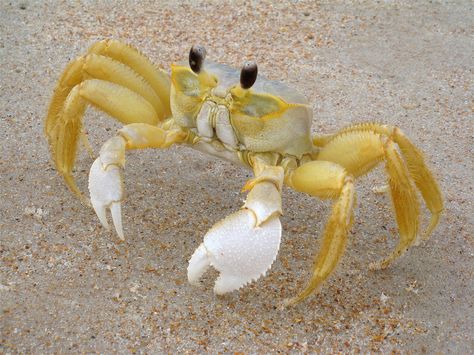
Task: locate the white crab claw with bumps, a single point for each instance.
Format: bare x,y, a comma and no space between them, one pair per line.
105,183
244,245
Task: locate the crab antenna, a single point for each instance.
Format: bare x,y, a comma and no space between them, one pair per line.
197,54
248,75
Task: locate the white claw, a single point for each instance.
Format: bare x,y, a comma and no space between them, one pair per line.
105,186
198,264
116,210
238,249
101,213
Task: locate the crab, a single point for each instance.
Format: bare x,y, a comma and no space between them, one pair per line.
249,120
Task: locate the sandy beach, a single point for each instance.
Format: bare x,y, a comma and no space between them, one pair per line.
69,286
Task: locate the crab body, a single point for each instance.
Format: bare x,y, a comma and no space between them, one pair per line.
259,123
271,118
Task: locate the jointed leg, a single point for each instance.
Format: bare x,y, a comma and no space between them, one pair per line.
105,179
131,57
413,157
116,79
326,180
405,204
130,68
116,100
423,179
360,151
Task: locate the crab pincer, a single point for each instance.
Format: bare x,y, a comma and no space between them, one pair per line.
244,245
105,183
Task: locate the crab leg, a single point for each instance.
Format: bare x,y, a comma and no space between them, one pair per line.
131,57
360,151
105,178
244,245
116,79
407,208
417,167
114,99
108,69
326,180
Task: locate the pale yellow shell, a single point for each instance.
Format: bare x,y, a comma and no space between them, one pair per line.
269,117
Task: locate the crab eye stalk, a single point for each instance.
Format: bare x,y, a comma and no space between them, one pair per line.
197,54
248,75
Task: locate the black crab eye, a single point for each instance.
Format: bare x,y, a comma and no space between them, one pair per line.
197,54
248,75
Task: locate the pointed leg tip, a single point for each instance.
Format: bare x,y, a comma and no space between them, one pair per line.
431,227
288,303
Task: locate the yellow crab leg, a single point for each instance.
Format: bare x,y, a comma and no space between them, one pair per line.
117,63
158,78
360,151
116,100
72,76
405,203
104,68
327,180
140,93
416,165
423,178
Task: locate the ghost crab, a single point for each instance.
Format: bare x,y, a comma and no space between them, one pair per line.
258,123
